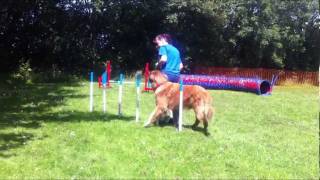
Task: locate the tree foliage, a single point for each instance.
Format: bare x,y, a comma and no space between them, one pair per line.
78,35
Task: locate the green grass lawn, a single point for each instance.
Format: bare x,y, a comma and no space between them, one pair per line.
46,131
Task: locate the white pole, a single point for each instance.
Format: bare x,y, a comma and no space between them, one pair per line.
138,104
120,96
180,106
120,100
138,81
104,98
91,92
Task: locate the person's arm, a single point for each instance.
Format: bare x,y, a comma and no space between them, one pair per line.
161,62
163,57
163,54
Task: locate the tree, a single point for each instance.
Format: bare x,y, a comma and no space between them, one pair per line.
78,35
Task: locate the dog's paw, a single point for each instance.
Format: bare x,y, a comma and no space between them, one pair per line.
146,125
207,134
170,113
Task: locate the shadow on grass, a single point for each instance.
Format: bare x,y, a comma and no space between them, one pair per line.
28,106
198,129
10,141
77,116
19,104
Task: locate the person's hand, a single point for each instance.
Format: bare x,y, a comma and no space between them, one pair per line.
181,66
160,65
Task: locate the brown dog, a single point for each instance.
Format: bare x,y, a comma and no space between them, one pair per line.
167,100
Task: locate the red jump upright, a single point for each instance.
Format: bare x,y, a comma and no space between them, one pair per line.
146,78
108,75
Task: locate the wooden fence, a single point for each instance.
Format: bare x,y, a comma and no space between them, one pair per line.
284,76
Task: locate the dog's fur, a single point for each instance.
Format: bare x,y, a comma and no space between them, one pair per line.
167,100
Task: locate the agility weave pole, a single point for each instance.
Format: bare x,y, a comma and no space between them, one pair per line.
104,91
138,95
91,93
91,101
138,78
180,106
120,95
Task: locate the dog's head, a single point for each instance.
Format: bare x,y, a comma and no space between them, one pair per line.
157,78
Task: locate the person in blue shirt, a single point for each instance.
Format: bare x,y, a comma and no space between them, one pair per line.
170,61
170,64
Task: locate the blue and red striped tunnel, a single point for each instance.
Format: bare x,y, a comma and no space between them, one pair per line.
255,85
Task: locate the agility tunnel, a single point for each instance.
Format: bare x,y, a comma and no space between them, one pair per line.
254,85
